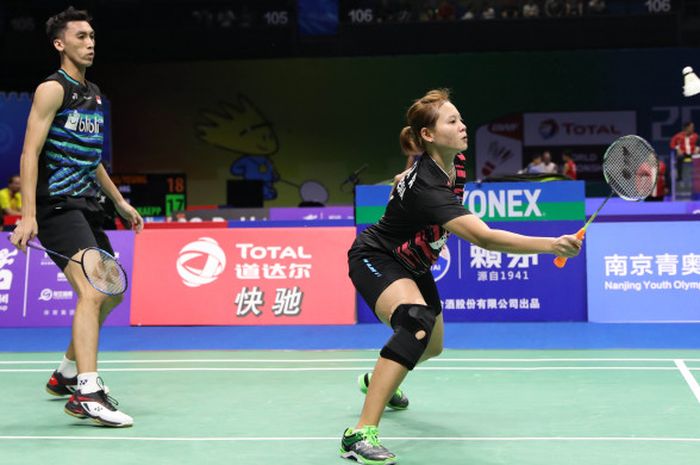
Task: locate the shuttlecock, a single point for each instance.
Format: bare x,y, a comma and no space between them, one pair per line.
691,83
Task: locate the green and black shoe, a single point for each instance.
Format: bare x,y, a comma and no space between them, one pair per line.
398,401
364,447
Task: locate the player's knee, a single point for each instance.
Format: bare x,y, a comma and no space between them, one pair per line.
92,297
433,351
413,325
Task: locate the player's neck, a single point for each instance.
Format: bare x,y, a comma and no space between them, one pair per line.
74,71
443,160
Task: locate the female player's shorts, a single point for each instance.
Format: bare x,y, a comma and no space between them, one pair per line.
372,271
69,224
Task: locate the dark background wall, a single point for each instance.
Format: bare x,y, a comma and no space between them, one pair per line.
328,96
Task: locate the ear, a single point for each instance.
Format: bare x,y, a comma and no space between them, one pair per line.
426,135
58,44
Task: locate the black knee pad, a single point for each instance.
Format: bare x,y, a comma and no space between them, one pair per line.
408,320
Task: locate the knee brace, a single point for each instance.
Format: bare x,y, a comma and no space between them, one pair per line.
408,320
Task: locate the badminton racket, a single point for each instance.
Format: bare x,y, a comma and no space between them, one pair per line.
630,168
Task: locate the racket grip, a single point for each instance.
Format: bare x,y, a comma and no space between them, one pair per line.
559,262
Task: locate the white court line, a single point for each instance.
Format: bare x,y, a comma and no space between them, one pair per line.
357,368
344,360
689,378
335,438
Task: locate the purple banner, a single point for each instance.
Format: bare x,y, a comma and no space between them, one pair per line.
311,213
479,285
34,292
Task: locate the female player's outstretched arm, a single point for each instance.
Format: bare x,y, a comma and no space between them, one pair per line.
474,230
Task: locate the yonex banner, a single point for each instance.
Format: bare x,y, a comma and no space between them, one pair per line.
526,201
494,201
644,272
266,276
480,285
34,291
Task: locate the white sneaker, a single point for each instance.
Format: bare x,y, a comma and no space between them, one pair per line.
99,407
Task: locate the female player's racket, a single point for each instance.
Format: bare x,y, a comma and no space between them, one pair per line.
630,168
101,269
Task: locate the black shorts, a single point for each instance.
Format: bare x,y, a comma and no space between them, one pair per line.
372,271
69,224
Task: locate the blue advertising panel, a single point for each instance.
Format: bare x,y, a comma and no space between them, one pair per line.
644,272
479,285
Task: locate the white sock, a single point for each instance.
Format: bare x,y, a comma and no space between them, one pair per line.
87,382
68,368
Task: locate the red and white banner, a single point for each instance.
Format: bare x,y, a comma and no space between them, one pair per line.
266,276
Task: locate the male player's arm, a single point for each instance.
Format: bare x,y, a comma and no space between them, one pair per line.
47,100
123,208
473,229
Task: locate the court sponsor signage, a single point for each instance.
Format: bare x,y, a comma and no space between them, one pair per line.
34,292
494,201
265,276
577,128
507,144
644,272
480,285
526,201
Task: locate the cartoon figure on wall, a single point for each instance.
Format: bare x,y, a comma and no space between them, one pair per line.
241,128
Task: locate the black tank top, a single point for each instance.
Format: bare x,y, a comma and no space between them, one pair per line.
73,148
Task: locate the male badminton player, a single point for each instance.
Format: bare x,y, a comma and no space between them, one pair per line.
61,175
390,262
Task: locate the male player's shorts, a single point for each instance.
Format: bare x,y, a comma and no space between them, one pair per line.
372,271
69,224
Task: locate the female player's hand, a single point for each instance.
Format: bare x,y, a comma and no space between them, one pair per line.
130,214
26,230
567,246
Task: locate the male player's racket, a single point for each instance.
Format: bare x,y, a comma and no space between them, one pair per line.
630,167
101,269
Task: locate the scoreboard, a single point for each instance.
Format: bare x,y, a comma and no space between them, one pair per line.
155,194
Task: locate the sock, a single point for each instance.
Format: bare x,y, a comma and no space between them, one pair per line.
68,368
87,382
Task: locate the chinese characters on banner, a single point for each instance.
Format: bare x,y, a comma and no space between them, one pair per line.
277,276
644,271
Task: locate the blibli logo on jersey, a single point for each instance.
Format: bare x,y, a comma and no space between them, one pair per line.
511,203
82,123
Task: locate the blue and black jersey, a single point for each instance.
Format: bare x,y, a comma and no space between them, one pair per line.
73,148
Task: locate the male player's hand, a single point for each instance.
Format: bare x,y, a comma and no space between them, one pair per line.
26,230
130,214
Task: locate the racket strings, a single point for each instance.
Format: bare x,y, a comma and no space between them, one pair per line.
103,272
631,167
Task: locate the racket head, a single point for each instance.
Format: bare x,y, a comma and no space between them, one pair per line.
631,167
103,271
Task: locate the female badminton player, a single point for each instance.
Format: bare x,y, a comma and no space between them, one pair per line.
390,262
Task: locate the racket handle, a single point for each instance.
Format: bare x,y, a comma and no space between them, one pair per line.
559,262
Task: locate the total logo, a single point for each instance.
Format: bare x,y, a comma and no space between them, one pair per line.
82,123
201,262
548,128
442,265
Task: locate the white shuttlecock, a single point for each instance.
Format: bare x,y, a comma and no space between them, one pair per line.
691,83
